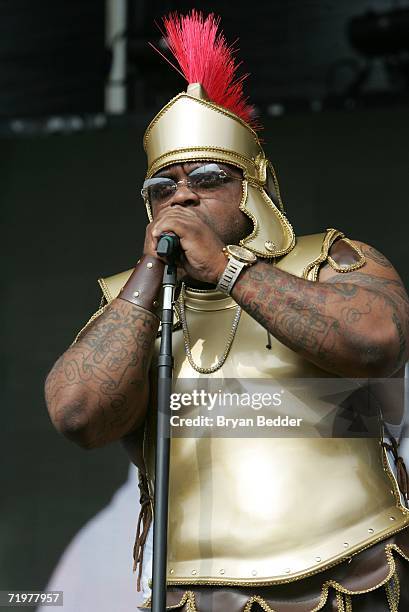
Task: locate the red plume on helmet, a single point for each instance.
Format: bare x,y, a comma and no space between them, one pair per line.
205,57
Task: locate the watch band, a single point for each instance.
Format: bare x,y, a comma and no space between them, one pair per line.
230,275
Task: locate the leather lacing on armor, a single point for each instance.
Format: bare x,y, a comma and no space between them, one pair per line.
402,473
144,522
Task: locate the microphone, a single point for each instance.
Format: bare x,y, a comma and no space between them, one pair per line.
168,246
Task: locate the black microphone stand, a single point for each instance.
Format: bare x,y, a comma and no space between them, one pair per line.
168,247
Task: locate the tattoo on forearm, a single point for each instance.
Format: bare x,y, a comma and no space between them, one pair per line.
108,367
330,323
392,288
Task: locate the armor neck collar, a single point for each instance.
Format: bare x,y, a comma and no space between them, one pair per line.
207,299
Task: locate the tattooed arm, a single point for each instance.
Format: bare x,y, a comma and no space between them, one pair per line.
349,324
97,391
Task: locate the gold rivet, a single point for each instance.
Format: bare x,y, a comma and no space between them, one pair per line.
171,571
194,572
270,246
135,293
318,559
254,573
155,303
149,264
221,571
370,530
287,570
346,544
392,518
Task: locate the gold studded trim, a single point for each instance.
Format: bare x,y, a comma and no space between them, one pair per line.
310,272
242,207
188,598
287,227
341,589
215,107
105,289
348,603
392,589
344,596
350,267
244,582
344,603
209,154
261,602
276,185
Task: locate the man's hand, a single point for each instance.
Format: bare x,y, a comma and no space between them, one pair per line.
202,250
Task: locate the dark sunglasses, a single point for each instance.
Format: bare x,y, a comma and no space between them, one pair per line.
207,178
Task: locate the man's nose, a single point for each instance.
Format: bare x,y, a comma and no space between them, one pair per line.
184,196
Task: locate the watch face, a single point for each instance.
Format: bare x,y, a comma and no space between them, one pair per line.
241,253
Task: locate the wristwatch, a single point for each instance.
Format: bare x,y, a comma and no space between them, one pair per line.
238,258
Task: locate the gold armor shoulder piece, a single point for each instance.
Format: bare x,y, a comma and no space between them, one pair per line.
311,270
304,255
348,267
112,285
331,235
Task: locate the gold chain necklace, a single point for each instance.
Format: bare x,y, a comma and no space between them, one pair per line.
180,307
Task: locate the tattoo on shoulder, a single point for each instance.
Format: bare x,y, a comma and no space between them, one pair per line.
372,253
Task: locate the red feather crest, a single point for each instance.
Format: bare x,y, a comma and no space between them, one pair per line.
205,57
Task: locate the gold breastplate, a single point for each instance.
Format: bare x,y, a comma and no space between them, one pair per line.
267,510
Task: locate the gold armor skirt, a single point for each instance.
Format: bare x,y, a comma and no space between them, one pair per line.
375,580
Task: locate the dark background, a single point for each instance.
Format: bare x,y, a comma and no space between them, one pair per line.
72,213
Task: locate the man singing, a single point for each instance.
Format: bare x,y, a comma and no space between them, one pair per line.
260,523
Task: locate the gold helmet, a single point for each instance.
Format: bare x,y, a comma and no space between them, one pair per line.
212,122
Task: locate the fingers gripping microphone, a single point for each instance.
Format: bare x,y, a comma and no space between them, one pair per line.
168,246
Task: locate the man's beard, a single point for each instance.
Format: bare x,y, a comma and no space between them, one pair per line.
235,232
